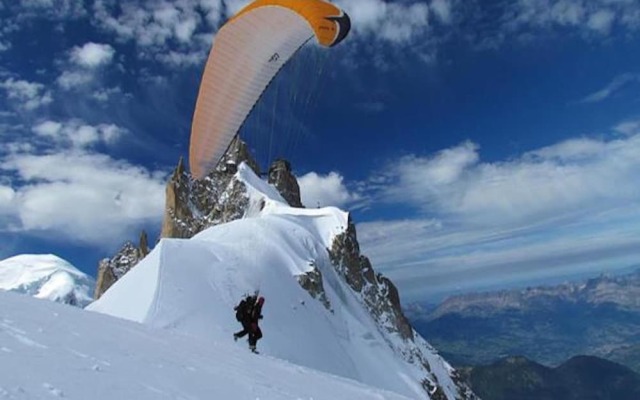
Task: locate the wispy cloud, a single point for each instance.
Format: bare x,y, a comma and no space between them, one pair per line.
631,127
615,86
558,209
526,20
601,21
51,9
169,32
26,95
77,134
74,79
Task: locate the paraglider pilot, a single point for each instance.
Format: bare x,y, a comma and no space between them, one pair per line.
248,313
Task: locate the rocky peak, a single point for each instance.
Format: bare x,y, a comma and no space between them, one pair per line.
190,206
378,292
281,177
237,153
112,269
193,205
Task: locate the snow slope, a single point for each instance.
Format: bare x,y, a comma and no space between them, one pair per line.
47,277
50,351
190,287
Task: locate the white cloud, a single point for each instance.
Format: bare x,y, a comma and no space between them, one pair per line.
110,133
213,11
570,150
540,184
7,196
48,128
74,79
601,21
169,32
92,55
54,184
52,9
184,29
442,8
324,190
159,27
77,134
28,95
568,207
525,20
392,22
628,127
178,59
83,197
617,84
104,94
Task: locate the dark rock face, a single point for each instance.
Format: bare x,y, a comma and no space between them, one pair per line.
193,205
312,282
112,269
281,177
378,292
381,298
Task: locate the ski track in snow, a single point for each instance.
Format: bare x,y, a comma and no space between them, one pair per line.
18,334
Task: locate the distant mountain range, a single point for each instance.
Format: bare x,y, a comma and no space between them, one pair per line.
580,378
46,276
600,317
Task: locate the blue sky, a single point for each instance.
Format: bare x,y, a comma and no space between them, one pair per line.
478,144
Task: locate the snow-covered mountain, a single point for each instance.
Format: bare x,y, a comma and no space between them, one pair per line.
46,276
190,286
50,351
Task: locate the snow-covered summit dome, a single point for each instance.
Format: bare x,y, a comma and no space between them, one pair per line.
46,276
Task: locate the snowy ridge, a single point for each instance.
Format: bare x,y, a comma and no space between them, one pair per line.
190,287
47,277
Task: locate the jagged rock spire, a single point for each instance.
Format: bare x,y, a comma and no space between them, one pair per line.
176,203
112,269
281,177
237,153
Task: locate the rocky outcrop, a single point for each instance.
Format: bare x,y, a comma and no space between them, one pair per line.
281,177
378,292
112,269
311,281
381,298
193,205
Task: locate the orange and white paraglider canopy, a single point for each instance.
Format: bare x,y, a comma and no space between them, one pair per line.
247,53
